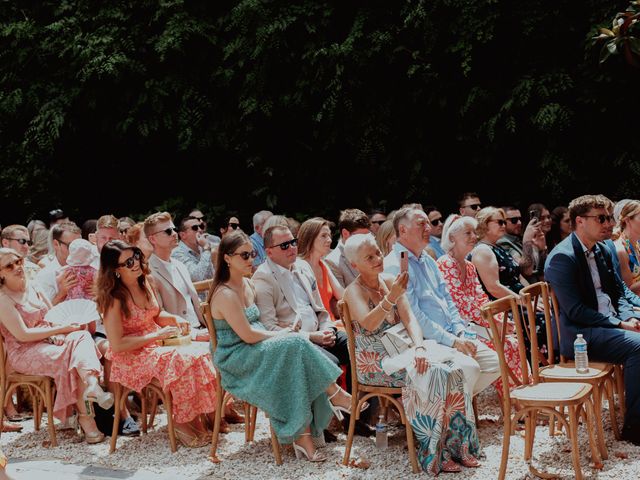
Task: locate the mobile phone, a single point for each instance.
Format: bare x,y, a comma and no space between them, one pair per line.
534,214
404,262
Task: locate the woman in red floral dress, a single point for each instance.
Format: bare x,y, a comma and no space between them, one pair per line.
461,277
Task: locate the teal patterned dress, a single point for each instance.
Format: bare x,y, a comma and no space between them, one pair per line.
436,404
285,376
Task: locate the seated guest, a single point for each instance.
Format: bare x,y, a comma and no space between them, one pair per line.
176,294
54,282
314,242
229,224
560,226
124,224
275,369
39,235
57,216
106,230
460,276
214,240
256,237
469,204
377,218
82,257
17,237
591,300
376,302
386,237
511,241
36,347
539,214
193,250
137,238
135,324
273,221
352,221
626,245
432,304
437,222
89,228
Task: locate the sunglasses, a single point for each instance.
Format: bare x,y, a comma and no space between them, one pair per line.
474,206
285,245
378,222
22,241
436,221
234,226
515,220
130,261
123,231
195,228
168,231
502,223
245,255
601,218
13,265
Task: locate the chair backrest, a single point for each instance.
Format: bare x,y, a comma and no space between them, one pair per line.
502,307
351,342
555,311
3,362
203,286
539,294
208,320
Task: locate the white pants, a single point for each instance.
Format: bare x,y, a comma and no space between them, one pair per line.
479,371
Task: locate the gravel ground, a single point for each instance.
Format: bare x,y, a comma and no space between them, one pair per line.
240,460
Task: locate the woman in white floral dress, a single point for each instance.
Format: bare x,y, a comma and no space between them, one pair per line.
433,393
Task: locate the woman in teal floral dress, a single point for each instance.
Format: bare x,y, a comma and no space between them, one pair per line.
433,387
281,372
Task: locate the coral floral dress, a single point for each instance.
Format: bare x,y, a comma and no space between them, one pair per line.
185,371
468,297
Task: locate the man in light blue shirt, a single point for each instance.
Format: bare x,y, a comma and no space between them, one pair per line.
431,302
256,237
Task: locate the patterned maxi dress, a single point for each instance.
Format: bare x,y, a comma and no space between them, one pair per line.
468,297
185,371
437,409
56,361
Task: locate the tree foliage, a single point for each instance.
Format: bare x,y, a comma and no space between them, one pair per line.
308,106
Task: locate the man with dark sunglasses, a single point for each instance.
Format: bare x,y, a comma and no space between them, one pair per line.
193,250
213,240
469,204
592,302
377,218
17,237
521,247
437,223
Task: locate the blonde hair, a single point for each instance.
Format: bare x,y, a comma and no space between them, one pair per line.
154,219
7,232
484,217
107,221
385,232
4,252
630,209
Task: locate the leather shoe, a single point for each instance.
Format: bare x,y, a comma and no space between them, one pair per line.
231,416
11,427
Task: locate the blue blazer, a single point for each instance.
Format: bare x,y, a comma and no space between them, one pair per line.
567,271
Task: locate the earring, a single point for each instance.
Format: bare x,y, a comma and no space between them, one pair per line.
117,275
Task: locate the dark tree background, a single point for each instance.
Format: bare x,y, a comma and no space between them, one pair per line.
308,106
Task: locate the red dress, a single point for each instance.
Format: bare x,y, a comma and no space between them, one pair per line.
185,371
469,297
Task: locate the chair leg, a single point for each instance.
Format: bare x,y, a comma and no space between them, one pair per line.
506,440
608,391
48,393
143,413
355,406
529,432
168,405
597,406
254,415
591,419
116,417
619,376
275,445
412,448
154,408
217,421
573,436
247,422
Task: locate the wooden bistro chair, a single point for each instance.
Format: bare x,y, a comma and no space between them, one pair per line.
250,412
203,286
385,394
42,391
600,375
530,396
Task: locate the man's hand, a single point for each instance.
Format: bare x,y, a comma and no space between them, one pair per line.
202,241
633,324
325,338
65,280
465,346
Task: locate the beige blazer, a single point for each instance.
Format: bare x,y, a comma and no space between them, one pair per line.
170,299
340,266
276,299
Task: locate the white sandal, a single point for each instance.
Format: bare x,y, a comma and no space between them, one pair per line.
301,452
338,409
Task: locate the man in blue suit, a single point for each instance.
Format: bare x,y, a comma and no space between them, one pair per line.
592,300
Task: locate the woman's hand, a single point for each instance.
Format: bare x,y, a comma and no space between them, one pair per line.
72,327
167,332
56,339
399,287
421,362
185,327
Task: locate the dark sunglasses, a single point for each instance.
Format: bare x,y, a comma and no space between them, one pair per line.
245,255
515,220
378,222
235,226
129,261
13,265
169,231
436,221
197,227
21,241
123,231
601,218
502,223
474,206
285,245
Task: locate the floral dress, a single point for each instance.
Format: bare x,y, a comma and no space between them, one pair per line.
634,263
185,371
469,296
437,406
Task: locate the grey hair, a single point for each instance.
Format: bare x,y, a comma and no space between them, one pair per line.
273,221
261,217
403,217
454,224
355,242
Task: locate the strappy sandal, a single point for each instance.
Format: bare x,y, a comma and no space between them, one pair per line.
450,466
301,452
92,437
338,409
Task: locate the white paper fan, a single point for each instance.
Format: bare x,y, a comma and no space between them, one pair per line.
78,311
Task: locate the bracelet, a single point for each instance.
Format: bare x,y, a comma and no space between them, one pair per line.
385,299
422,347
383,309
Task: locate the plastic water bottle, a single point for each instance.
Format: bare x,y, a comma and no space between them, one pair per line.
470,334
381,434
580,354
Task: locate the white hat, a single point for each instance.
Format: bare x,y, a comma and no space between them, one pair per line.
617,209
81,253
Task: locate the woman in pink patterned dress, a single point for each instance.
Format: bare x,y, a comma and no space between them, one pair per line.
135,324
36,347
460,275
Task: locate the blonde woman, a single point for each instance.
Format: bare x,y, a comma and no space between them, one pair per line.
386,237
627,245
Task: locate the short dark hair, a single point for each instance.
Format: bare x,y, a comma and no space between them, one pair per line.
582,205
353,219
465,196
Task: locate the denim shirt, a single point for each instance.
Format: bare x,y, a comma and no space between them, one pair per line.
428,296
258,246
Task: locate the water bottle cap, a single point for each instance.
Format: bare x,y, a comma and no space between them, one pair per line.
579,335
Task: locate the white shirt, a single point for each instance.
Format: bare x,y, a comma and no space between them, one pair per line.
304,311
605,306
46,279
179,283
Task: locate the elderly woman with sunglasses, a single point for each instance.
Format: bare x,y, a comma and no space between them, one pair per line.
135,326
34,346
193,250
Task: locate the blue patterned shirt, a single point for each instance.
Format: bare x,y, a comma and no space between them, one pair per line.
258,246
